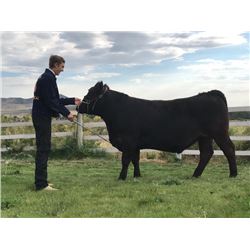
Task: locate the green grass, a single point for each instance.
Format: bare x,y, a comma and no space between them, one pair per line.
89,188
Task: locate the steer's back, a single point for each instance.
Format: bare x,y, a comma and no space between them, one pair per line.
204,109
171,125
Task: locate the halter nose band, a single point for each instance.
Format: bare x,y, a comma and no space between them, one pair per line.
86,102
95,100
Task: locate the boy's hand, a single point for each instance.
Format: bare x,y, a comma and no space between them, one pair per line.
70,117
77,101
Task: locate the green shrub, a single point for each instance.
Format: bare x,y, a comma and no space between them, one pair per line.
151,155
70,150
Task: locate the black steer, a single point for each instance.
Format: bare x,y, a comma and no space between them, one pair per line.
173,126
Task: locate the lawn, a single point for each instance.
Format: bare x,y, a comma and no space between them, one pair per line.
89,188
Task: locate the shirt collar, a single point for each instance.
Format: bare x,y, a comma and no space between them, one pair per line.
52,71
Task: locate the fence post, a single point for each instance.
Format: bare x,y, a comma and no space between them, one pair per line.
178,156
79,131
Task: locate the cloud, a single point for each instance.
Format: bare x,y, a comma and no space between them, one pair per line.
86,40
211,69
94,76
30,50
173,87
93,56
26,51
229,76
140,48
21,86
201,40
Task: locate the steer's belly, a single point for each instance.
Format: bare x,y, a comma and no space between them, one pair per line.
175,144
173,149
169,142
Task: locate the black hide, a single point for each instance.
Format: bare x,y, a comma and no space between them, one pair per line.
172,126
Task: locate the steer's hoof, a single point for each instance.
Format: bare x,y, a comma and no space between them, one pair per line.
136,179
121,178
137,176
233,175
195,176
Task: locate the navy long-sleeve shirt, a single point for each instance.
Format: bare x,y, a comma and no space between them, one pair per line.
48,102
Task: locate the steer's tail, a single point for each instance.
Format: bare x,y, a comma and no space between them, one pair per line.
218,93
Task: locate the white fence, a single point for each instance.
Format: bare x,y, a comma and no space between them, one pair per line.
90,125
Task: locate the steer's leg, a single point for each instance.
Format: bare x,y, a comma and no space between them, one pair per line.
135,161
126,159
228,148
206,152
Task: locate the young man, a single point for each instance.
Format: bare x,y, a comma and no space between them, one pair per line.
47,104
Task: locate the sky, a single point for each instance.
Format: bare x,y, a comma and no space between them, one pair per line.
149,65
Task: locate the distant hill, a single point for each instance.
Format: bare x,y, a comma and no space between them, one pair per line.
13,101
17,105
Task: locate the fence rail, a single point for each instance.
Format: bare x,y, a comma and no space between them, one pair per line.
55,122
90,125
90,137
99,124
28,110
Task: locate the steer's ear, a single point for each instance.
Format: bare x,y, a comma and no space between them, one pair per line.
99,85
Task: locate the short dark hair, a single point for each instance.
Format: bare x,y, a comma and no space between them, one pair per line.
55,59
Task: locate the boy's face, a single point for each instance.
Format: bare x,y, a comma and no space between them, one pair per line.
58,68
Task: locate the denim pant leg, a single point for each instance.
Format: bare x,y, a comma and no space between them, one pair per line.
42,127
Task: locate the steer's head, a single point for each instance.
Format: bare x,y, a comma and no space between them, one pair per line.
90,100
